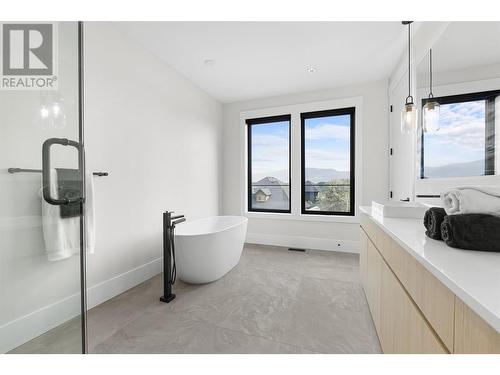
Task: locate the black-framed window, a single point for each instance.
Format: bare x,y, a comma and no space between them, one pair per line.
269,181
327,167
464,144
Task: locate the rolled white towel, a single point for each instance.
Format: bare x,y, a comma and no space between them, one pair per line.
472,200
62,236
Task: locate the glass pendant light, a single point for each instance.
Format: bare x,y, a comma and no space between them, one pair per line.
431,107
409,112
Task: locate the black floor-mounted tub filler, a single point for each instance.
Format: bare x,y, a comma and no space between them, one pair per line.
169,267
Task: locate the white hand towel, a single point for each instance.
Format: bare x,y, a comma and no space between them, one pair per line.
472,200
62,236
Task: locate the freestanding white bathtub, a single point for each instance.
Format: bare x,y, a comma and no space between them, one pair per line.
207,249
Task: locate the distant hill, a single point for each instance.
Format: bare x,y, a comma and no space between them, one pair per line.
325,175
312,174
473,168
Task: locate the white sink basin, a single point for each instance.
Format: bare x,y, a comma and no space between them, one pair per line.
399,209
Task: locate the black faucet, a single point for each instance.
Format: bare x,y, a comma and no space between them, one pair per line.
175,220
169,266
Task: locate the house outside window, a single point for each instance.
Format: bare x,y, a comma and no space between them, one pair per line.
262,195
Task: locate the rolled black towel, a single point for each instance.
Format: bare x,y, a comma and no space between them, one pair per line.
472,232
68,184
432,221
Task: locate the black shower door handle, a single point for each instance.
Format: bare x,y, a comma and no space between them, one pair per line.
46,179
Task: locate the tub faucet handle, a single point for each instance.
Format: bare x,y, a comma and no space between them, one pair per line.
178,221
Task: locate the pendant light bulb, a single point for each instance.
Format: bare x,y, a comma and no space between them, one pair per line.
409,113
431,116
408,118
431,108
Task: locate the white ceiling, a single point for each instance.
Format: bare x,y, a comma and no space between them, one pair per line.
262,59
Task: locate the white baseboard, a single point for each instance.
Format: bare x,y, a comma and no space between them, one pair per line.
327,244
29,326
110,288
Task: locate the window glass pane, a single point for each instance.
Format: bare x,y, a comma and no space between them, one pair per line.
269,166
327,164
458,148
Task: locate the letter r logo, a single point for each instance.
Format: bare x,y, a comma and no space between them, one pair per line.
27,49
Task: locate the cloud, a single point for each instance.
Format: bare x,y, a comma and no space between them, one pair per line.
269,153
328,131
321,158
269,140
462,126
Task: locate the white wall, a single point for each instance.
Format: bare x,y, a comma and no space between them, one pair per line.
157,135
449,77
402,162
325,234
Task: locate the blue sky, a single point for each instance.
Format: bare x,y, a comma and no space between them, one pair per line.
327,145
461,135
270,144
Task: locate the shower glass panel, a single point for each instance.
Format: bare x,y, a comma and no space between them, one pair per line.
41,280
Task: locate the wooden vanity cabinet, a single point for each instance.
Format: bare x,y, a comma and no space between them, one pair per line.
413,312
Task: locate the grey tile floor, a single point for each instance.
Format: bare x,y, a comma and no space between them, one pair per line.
274,301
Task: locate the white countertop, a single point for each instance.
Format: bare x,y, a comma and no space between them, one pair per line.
473,276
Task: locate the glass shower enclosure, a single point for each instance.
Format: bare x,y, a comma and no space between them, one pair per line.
42,188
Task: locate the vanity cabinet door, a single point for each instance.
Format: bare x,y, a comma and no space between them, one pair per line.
363,248
472,334
373,281
433,298
402,326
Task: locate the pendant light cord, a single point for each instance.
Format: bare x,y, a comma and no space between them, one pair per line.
409,61
409,99
431,95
